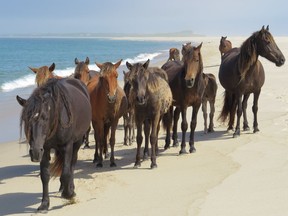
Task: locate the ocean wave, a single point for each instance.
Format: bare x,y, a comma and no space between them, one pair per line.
29,80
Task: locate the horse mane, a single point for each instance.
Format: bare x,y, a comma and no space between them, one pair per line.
52,94
248,55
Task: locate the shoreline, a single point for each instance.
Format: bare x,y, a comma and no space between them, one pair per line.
225,176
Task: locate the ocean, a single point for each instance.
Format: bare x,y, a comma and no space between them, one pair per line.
17,54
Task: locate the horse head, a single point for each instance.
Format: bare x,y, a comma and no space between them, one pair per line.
138,78
37,122
43,74
81,71
267,47
108,77
193,63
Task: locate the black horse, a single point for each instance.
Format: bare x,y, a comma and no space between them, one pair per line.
241,73
56,116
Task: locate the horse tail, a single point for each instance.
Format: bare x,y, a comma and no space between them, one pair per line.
167,119
228,106
56,166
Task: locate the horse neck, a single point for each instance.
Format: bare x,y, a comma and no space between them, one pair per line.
248,56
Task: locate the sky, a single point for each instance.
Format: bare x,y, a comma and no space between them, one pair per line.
205,17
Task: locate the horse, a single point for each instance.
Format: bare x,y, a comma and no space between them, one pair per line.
44,73
225,45
209,96
129,122
187,85
241,73
109,103
83,73
151,98
56,116
174,54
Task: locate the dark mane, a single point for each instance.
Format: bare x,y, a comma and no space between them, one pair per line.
43,99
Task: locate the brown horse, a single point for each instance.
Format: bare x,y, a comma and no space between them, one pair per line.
241,73
56,116
187,84
83,73
209,96
174,55
129,121
225,45
151,98
109,103
44,73
82,70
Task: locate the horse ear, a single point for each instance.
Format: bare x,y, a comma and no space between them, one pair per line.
146,64
20,100
52,67
99,65
76,61
267,28
263,28
87,61
200,45
118,63
128,65
35,70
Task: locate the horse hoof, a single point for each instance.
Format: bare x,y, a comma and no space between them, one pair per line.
100,165
182,151
68,195
175,144
137,165
211,130
86,147
113,164
236,135
256,130
247,128
43,208
192,150
153,165
166,147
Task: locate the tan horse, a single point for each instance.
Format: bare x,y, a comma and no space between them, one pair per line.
109,103
44,73
225,45
174,55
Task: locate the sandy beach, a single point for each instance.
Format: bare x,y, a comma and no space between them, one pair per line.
225,177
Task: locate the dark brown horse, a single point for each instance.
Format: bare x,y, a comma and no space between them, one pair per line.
187,84
209,96
44,73
241,73
56,116
83,73
129,121
109,103
174,55
225,45
151,98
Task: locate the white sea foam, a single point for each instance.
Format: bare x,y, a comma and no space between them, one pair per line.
29,80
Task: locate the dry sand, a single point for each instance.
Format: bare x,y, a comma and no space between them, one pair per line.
226,176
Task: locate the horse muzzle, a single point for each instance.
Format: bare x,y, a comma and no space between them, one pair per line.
190,83
141,100
111,99
280,62
36,154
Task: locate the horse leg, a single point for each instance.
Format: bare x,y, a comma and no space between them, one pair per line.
211,115
139,139
86,138
239,114
193,126
125,122
153,140
112,142
167,121
244,107
204,110
255,110
99,139
176,115
96,154
184,126
146,134
45,177
232,114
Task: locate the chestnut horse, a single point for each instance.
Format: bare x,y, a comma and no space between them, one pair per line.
241,73
225,45
44,73
151,98
174,55
209,96
187,84
109,103
56,116
83,73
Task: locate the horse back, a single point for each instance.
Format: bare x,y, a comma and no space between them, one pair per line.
210,86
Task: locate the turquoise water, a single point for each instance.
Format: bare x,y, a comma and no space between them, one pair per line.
17,54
